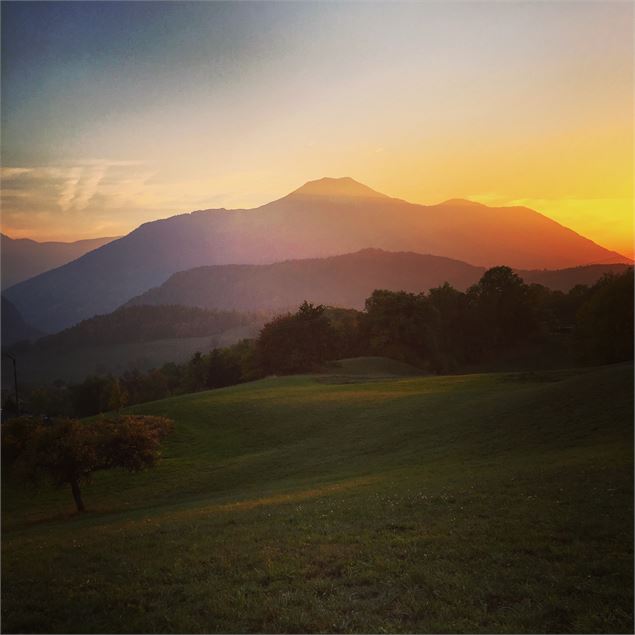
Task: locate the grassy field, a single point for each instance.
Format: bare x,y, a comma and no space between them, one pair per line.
476,503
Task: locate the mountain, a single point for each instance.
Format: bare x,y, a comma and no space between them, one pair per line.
23,258
344,281
323,218
14,328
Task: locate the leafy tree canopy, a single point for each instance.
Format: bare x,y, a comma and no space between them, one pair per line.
67,451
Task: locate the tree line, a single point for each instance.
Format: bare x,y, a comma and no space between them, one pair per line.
442,331
446,330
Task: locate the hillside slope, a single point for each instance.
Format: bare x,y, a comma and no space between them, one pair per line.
343,281
14,328
132,338
481,503
323,218
23,258
145,324
566,279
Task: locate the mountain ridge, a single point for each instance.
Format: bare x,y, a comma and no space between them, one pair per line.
14,328
295,227
341,281
24,258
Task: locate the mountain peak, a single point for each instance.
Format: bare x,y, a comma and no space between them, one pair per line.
461,202
337,188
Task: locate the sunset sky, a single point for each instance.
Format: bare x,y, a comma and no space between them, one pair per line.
118,113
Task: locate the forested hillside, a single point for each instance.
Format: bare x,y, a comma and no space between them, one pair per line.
144,324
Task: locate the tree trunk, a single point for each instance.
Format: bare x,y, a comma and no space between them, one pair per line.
77,495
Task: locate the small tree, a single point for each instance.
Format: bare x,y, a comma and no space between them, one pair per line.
68,451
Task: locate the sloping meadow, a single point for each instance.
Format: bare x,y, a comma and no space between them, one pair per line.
475,503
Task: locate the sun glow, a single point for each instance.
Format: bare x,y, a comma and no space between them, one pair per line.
502,103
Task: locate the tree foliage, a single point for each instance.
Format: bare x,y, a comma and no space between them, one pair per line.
402,325
604,329
296,342
67,451
501,305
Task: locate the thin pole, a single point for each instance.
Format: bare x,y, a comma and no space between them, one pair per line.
15,385
15,381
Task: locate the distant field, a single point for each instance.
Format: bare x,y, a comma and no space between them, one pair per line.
369,503
41,367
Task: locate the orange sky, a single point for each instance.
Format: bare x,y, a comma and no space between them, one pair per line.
158,109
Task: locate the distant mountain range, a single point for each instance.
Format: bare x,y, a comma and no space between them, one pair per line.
23,258
343,281
323,218
14,328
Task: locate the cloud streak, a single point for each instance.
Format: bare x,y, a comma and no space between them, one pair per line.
97,197
83,195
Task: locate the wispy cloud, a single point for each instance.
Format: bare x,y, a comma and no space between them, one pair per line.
68,190
75,185
74,197
95,197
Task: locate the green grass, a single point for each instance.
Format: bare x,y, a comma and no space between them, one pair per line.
477,503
